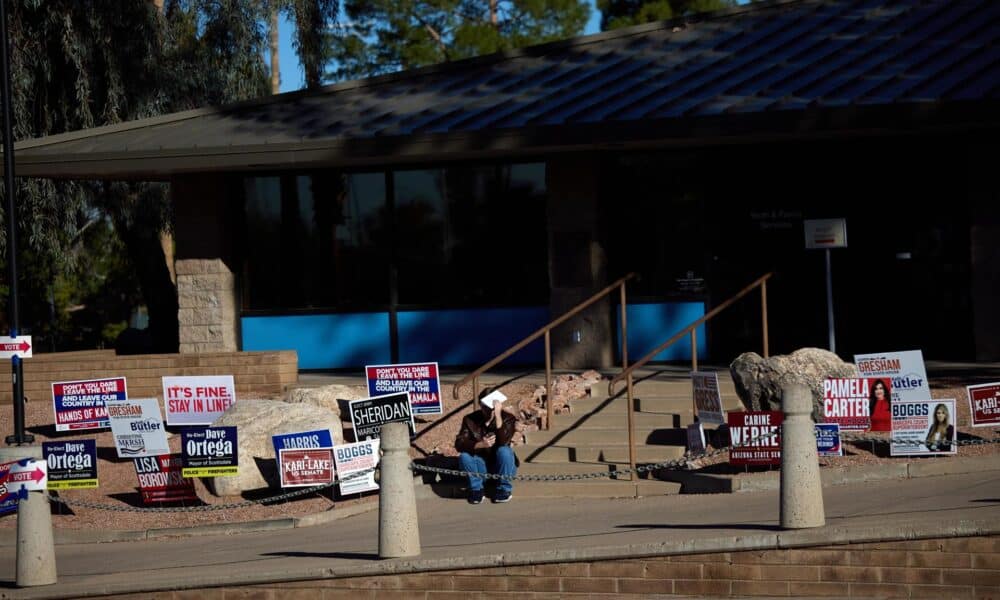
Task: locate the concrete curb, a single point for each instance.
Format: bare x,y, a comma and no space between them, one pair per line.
707,483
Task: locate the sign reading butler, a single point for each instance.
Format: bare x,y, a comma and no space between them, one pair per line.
368,415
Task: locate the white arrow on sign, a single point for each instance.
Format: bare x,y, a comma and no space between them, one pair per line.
15,346
33,475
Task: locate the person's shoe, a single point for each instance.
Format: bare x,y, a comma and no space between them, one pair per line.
475,496
502,496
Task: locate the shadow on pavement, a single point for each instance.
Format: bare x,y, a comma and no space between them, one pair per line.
347,555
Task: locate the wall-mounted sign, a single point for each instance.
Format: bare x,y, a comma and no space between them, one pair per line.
825,233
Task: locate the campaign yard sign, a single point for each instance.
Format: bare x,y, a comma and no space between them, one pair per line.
19,477
80,404
748,436
9,493
72,464
904,370
161,480
828,439
368,415
846,402
984,404
420,379
696,438
197,400
707,400
356,466
927,425
305,467
209,452
137,427
319,438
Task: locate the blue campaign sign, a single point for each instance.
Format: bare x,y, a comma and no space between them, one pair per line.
320,438
72,464
421,380
9,496
828,439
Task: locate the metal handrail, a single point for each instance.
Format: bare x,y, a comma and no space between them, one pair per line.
546,331
691,330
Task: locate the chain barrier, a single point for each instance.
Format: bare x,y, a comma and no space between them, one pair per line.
209,507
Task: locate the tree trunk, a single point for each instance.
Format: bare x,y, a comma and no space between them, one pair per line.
493,14
275,65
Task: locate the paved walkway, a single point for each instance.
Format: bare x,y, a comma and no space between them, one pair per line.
542,531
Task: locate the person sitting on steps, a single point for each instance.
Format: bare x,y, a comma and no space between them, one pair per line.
484,446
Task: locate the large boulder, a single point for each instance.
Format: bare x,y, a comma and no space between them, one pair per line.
256,421
327,396
758,380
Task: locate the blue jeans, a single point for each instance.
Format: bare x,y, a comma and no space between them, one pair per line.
504,465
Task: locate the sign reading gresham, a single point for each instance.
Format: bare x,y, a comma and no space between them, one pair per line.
368,415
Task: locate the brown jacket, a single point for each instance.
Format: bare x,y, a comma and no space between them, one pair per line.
476,426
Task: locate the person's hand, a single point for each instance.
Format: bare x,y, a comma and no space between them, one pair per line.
487,441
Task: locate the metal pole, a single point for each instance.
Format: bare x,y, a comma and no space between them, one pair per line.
549,409
829,302
629,396
19,436
694,349
763,315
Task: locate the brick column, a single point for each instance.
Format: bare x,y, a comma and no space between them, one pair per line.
206,306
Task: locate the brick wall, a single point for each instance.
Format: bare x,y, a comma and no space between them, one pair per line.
934,568
255,373
206,312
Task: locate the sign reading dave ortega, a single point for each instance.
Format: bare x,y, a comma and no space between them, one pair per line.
72,464
80,404
370,414
209,452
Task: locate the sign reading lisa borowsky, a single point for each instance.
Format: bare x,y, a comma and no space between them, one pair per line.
368,415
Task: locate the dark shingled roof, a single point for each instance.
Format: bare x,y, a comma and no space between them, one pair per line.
784,68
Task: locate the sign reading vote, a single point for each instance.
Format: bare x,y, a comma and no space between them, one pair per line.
209,452
72,464
370,414
19,346
197,400
420,379
81,404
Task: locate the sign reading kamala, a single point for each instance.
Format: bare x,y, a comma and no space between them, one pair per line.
368,415
301,468
80,404
923,427
420,379
160,479
137,427
707,399
209,452
984,404
197,400
72,464
751,439
905,370
356,466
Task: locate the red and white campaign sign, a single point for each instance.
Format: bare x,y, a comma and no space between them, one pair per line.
847,402
755,437
19,346
305,467
984,404
32,475
197,400
161,479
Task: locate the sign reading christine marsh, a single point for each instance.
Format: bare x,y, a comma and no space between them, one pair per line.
905,371
370,414
420,379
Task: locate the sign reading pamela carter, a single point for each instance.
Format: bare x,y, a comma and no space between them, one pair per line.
197,400
209,452
707,399
368,415
137,427
80,404
420,379
72,464
750,439
984,404
928,426
846,402
905,370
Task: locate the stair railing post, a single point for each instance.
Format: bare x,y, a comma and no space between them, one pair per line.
628,381
475,392
694,349
549,411
763,313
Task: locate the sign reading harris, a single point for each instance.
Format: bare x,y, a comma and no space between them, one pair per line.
749,436
197,400
420,379
160,479
356,466
928,426
302,468
368,415
209,452
320,438
984,404
905,370
138,427
707,399
80,404
72,464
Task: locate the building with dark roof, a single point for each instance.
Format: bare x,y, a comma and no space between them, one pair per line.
444,213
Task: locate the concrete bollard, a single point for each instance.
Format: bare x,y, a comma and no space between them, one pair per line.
398,530
36,555
801,488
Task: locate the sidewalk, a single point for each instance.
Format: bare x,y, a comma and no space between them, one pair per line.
544,531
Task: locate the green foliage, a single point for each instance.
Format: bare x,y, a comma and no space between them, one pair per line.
624,13
382,36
